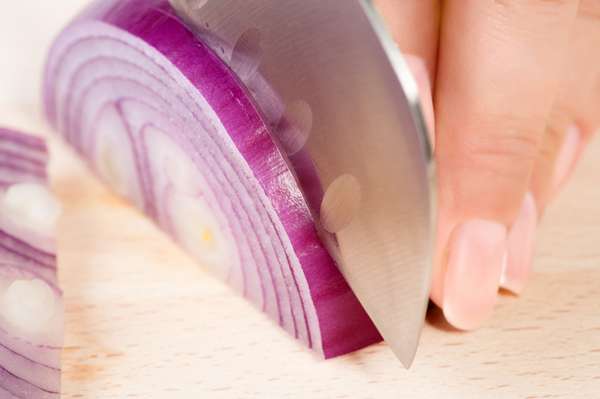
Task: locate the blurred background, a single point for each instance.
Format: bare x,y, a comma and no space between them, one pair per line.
26,30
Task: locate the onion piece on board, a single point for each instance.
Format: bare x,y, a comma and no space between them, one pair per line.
170,125
31,308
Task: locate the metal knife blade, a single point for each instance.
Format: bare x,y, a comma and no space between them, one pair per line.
338,58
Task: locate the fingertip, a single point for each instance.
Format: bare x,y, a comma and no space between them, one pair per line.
521,239
476,256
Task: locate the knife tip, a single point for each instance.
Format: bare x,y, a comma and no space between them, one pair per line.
405,354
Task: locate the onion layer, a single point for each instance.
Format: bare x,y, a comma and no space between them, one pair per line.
200,146
31,315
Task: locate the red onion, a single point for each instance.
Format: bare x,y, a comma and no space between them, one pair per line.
200,146
31,316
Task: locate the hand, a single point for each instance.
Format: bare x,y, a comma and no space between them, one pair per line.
516,93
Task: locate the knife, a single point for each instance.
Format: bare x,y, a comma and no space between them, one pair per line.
368,140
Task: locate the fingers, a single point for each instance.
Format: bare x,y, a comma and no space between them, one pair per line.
575,116
497,78
415,27
569,152
559,150
520,242
572,122
419,71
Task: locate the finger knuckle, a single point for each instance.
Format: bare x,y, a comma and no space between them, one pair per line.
550,145
508,149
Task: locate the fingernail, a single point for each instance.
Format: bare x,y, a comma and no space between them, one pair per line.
476,256
567,156
521,237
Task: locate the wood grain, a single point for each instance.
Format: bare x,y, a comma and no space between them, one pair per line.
144,322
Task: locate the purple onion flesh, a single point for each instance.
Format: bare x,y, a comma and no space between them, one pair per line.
31,315
202,145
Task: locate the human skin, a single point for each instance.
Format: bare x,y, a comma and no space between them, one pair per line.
513,90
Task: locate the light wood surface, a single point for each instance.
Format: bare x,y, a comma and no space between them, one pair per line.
144,322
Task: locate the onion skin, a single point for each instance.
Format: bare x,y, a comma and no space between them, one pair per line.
30,342
163,119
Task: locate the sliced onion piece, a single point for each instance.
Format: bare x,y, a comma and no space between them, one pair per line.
31,306
198,149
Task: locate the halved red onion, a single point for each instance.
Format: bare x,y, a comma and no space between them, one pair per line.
31,315
171,126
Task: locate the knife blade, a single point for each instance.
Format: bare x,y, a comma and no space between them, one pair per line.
368,140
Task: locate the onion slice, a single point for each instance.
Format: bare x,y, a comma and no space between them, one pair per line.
202,144
31,309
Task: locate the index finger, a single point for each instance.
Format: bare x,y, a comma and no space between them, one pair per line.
498,76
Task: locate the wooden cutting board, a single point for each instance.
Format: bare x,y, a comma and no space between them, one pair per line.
144,322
